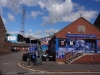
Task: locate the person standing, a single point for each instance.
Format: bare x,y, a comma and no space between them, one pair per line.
34,57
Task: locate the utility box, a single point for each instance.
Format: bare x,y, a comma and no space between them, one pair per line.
38,61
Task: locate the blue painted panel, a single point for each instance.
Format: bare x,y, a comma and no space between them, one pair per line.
44,47
56,44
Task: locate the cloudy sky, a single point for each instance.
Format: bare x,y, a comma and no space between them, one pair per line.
44,17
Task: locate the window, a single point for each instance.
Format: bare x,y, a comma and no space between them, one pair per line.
62,42
70,42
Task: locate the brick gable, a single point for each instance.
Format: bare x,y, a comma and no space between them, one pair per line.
73,28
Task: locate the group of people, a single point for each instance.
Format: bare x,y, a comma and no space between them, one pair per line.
32,57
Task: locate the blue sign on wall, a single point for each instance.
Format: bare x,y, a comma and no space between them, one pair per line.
81,35
31,49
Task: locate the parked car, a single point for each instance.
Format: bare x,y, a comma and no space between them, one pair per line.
45,56
27,55
15,50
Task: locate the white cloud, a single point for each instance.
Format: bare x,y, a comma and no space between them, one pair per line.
10,17
34,14
29,2
13,32
36,36
66,11
41,4
50,31
14,5
33,35
73,16
89,14
1,10
30,31
58,10
38,32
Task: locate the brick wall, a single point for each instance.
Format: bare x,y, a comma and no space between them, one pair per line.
2,36
7,47
95,58
60,59
68,55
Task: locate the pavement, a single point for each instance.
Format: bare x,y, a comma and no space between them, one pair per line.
52,66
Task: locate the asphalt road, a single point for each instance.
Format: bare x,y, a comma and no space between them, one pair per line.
9,63
9,66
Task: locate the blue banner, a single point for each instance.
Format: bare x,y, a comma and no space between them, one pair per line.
81,35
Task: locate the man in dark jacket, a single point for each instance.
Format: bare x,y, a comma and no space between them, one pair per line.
33,58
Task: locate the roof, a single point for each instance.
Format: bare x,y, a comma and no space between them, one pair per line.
97,22
20,44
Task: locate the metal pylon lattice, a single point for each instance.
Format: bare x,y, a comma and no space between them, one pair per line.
23,21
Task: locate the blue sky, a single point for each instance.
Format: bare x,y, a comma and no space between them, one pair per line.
44,17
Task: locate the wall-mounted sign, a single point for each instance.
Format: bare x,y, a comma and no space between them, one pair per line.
81,29
44,41
82,35
12,38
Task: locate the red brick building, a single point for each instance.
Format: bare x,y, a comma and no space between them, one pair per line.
80,36
5,47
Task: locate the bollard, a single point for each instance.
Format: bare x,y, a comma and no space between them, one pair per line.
29,62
